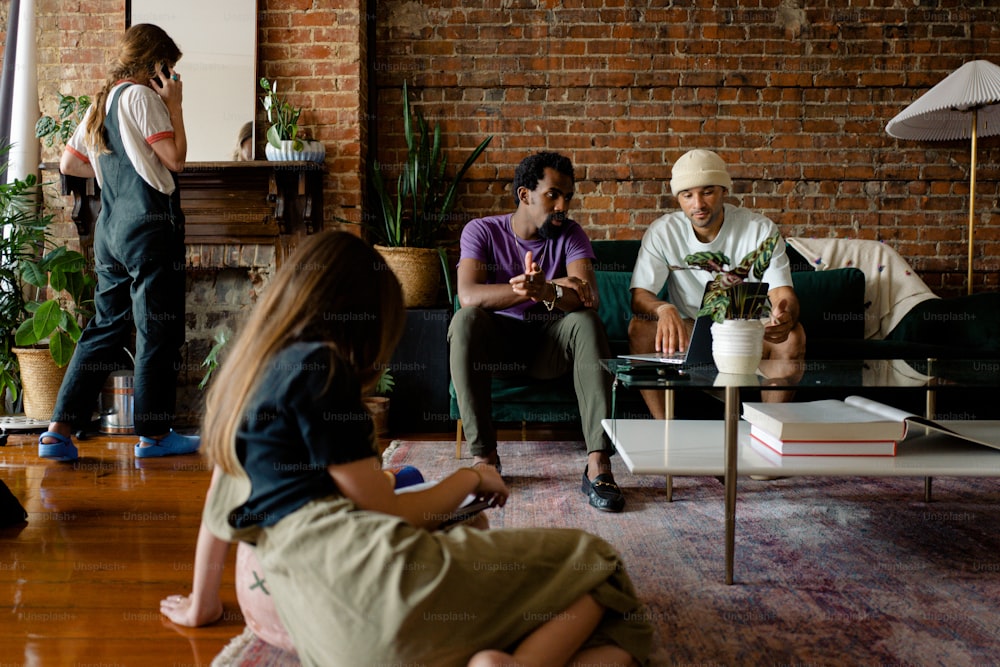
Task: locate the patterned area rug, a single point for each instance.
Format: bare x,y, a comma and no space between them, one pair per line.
829,571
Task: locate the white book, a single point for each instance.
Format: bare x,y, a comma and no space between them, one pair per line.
823,447
857,419
472,505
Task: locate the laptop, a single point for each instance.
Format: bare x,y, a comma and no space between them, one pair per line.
699,349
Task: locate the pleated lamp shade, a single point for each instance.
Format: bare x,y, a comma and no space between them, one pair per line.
942,113
962,106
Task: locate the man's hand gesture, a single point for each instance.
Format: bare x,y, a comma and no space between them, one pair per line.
531,283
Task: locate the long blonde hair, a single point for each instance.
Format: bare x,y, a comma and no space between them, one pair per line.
142,49
334,289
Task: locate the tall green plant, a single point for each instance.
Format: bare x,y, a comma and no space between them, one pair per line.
424,195
22,233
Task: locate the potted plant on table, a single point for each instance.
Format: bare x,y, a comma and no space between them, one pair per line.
736,306
406,228
285,140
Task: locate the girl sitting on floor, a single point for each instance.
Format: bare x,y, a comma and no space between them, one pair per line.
358,574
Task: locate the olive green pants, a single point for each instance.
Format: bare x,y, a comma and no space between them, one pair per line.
484,344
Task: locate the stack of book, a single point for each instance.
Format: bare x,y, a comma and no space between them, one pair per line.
852,427
855,426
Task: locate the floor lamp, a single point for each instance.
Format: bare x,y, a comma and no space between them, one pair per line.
962,106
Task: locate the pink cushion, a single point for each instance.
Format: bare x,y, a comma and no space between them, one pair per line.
256,602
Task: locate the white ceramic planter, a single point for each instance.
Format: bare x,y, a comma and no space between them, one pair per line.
737,346
313,151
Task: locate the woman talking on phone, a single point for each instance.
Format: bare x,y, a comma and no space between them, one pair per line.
133,141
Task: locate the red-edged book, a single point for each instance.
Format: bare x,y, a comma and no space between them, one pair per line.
823,447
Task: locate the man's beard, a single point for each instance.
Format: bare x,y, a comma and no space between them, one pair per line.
549,230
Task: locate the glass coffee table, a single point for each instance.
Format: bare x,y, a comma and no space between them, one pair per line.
675,447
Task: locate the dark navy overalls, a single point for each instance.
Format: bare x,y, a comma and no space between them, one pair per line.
139,262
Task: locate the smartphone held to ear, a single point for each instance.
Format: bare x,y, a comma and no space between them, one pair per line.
166,75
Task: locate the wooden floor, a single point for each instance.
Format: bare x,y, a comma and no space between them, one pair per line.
107,537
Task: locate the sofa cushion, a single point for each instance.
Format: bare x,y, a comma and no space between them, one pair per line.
618,255
616,302
960,324
831,303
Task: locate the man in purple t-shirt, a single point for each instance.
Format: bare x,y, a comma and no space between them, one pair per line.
529,307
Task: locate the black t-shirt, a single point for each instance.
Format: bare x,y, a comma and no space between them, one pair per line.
301,419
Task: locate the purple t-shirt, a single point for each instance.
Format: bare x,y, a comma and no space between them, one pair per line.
492,241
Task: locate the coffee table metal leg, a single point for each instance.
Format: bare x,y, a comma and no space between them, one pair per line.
668,406
732,432
930,411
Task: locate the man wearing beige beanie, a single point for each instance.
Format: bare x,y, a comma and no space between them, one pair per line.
700,182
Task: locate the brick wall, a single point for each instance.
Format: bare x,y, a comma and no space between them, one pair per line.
314,49
794,95
316,54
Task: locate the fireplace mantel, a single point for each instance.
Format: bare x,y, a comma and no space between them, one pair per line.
229,204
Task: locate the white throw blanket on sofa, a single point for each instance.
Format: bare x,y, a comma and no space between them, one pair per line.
892,288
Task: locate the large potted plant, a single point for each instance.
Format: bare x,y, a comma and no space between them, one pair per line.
23,233
406,230
45,339
285,139
736,306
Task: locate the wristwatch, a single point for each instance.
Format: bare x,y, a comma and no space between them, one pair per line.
558,295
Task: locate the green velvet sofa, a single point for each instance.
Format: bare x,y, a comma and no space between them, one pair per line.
832,305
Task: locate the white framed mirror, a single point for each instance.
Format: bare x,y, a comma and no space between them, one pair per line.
218,40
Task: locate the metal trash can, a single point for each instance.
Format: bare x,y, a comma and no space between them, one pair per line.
117,403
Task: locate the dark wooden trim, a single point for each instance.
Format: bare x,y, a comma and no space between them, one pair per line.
260,202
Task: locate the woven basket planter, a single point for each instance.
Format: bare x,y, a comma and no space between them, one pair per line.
378,408
40,381
418,271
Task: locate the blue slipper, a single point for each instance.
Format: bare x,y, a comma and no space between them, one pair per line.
62,449
172,445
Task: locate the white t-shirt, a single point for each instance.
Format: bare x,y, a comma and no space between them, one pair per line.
143,119
670,238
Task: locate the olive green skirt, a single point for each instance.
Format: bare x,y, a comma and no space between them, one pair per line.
364,588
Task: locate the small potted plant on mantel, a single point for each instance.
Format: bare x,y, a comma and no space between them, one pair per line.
285,140
736,306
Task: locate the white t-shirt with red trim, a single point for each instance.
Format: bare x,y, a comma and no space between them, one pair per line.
143,120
